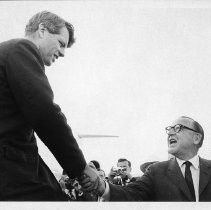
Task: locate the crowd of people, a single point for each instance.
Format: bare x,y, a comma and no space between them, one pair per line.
27,107
119,175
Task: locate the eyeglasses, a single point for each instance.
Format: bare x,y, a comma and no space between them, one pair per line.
177,128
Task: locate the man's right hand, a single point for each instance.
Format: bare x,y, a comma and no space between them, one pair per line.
111,175
90,180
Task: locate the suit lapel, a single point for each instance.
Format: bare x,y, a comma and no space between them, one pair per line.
204,175
176,176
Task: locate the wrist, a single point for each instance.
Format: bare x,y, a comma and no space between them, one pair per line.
102,188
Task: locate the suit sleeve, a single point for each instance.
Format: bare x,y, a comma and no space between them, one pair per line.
34,98
140,190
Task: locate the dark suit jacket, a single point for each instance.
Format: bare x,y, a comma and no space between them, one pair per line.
26,105
164,181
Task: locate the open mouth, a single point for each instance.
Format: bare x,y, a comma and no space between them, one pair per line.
172,141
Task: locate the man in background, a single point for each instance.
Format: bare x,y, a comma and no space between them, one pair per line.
121,175
27,106
96,164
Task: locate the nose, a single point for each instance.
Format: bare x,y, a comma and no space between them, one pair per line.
61,52
171,132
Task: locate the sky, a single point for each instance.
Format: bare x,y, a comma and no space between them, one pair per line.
136,66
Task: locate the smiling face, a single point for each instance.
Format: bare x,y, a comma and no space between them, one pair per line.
183,143
52,46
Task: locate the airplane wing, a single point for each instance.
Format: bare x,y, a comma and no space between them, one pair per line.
95,136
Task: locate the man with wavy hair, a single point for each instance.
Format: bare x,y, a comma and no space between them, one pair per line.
27,107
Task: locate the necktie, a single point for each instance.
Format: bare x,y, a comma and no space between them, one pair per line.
189,180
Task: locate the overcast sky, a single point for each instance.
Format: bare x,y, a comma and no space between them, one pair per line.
134,68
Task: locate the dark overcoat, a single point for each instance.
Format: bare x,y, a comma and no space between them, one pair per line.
27,106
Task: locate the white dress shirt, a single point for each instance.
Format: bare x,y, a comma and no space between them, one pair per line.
106,194
195,171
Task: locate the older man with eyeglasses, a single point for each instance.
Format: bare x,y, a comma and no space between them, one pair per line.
186,177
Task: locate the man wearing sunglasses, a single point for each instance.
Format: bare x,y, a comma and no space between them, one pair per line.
186,177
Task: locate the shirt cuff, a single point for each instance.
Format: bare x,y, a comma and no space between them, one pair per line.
106,194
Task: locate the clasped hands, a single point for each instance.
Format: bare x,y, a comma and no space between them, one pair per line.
90,181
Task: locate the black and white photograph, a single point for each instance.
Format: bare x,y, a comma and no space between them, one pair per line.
105,102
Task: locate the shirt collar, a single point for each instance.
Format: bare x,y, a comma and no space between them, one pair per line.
194,161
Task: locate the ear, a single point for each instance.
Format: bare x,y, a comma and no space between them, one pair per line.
197,138
41,30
